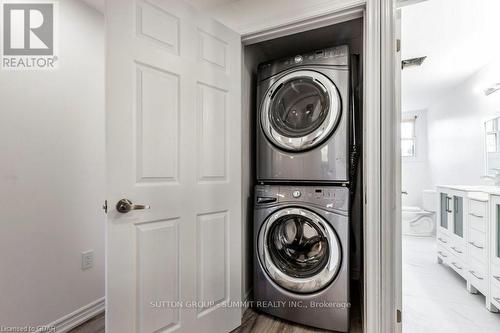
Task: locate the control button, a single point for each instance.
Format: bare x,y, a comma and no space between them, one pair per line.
298,59
296,194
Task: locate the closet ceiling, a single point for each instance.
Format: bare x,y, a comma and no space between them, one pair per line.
458,38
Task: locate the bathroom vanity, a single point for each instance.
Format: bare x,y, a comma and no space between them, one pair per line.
468,237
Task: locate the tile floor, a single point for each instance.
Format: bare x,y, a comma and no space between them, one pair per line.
435,299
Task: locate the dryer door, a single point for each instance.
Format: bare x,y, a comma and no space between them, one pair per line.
299,250
300,110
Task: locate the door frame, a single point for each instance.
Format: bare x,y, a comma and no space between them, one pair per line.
381,166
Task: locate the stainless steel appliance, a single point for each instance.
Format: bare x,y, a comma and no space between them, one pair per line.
303,118
301,264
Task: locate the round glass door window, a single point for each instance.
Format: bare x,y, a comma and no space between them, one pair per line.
297,246
299,250
300,110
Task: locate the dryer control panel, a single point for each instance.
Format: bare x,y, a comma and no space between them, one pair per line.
333,56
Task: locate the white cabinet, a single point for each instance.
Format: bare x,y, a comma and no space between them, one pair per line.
468,239
494,253
451,230
477,244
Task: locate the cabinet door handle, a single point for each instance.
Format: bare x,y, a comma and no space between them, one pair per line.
455,264
455,249
475,245
477,277
448,204
497,277
445,256
442,240
475,215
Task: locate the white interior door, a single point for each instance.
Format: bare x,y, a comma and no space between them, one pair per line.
173,142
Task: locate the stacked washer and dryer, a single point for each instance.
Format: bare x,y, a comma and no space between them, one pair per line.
301,215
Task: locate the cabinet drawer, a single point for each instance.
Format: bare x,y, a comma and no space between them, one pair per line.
443,253
476,222
495,275
443,239
457,247
457,265
495,295
477,208
478,278
477,246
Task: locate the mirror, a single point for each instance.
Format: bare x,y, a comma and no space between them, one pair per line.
492,141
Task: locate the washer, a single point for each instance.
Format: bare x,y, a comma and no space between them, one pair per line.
301,268
303,118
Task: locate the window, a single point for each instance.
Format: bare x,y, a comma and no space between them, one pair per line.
492,130
408,137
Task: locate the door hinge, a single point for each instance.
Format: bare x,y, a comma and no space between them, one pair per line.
398,315
105,206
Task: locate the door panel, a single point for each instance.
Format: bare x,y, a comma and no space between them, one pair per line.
495,237
157,274
444,210
496,234
458,216
157,124
173,142
212,274
212,127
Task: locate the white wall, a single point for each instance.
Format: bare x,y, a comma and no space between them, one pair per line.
52,176
415,171
455,127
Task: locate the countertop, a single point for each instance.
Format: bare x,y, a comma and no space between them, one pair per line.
478,192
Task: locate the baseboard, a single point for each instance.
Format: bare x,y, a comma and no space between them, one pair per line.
76,318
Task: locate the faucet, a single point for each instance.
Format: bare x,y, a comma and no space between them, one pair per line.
495,178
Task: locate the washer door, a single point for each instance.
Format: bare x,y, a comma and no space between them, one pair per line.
300,110
299,250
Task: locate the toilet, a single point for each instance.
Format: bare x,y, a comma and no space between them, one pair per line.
418,221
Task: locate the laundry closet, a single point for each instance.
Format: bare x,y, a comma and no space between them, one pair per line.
288,175
211,202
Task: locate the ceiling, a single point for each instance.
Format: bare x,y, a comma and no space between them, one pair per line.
97,4
201,4
204,4
458,37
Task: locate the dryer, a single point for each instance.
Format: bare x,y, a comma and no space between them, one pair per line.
303,118
301,268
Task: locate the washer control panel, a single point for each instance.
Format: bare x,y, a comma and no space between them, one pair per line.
330,197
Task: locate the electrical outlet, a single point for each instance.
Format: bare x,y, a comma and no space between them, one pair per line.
87,259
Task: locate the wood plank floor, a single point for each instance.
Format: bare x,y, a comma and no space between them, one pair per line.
252,322
258,322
